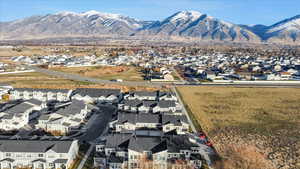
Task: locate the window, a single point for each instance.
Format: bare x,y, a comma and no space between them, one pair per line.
19,155
41,155
51,164
7,154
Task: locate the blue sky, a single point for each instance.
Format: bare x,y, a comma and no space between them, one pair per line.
237,11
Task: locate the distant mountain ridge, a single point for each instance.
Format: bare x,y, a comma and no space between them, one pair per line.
185,24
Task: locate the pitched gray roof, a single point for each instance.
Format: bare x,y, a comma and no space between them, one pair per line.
19,109
166,103
74,108
41,90
96,92
176,143
117,140
132,103
35,102
137,118
34,146
174,119
142,143
144,93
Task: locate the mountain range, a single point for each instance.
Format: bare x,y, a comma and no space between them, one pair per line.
184,24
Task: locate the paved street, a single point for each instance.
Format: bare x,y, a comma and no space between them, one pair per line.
149,84
98,124
184,110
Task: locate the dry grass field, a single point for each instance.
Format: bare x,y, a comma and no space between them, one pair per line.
50,50
35,80
250,127
106,72
38,80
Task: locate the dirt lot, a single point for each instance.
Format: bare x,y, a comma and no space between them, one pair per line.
106,72
253,128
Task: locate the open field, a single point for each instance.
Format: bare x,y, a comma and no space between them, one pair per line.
39,80
50,50
250,127
106,72
35,80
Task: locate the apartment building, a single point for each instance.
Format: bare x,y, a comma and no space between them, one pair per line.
66,118
16,115
37,154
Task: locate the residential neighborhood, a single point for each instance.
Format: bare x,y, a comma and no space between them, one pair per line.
198,66
45,128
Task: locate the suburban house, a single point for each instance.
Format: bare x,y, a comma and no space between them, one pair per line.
132,121
40,94
17,115
97,95
37,154
135,151
66,118
175,122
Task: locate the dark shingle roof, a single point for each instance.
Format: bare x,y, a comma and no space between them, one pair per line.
42,90
118,140
20,108
132,103
74,108
141,143
34,146
174,119
96,92
137,118
166,103
179,142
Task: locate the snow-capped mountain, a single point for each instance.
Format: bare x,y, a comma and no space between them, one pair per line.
287,30
196,24
182,24
71,24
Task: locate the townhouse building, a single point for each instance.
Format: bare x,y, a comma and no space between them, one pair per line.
175,122
132,121
97,95
16,115
37,154
149,106
40,94
66,118
137,151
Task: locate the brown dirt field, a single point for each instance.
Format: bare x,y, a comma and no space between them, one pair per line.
127,73
243,123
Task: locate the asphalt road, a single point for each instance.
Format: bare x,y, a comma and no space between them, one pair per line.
88,79
98,124
150,84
